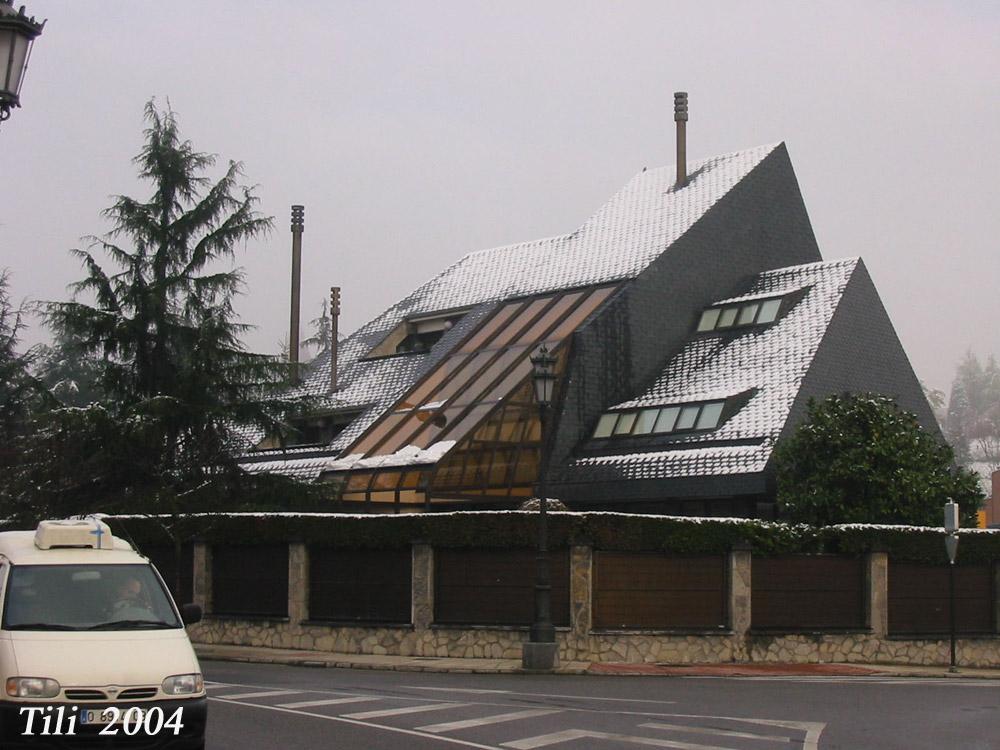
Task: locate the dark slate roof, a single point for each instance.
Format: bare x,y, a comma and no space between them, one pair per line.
769,362
632,229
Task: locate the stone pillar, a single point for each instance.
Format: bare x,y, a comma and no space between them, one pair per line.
422,587
201,584
298,583
581,567
740,559
877,585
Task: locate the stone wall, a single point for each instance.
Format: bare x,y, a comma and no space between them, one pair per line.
579,642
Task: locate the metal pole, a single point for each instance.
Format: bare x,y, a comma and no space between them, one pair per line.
542,630
951,613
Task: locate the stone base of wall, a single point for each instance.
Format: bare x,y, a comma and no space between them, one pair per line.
629,647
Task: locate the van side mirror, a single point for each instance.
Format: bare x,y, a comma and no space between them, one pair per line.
190,613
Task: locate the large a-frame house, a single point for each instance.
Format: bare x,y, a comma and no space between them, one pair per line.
691,320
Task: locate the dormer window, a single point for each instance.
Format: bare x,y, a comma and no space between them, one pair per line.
661,420
739,314
416,335
310,430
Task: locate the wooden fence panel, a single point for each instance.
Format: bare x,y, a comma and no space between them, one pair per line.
637,590
360,585
495,587
808,592
250,580
918,599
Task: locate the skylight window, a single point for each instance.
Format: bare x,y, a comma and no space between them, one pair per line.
756,312
696,417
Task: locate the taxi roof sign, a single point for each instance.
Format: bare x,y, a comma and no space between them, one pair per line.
89,533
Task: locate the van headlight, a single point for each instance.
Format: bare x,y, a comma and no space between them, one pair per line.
183,684
32,687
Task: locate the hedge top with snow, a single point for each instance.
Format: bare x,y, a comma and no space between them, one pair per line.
603,531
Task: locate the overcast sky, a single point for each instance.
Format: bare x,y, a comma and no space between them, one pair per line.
415,132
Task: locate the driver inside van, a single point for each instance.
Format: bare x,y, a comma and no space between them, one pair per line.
130,601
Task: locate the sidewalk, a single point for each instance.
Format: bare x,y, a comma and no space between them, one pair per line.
260,655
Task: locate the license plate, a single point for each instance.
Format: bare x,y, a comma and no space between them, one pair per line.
111,715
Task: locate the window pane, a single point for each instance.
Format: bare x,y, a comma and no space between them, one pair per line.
644,424
625,424
665,422
769,311
489,328
687,418
710,414
708,320
727,318
540,327
605,425
575,318
747,313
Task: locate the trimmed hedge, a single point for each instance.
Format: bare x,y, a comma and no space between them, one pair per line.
608,531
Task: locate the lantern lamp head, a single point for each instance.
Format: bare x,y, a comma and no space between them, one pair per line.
543,375
17,35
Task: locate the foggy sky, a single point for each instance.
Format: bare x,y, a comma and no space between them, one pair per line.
416,132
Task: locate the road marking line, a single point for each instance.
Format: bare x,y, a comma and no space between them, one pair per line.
342,720
259,694
813,729
543,695
720,732
568,735
328,702
457,690
453,726
402,711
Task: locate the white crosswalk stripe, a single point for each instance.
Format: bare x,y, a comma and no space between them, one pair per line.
568,735
454,726
329,702
710,730
258,694
381,713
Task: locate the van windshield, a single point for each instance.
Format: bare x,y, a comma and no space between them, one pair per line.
86,597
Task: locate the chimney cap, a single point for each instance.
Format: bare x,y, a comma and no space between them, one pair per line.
680,106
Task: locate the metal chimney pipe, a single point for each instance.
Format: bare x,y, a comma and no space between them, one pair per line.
298,224
334,324
680,117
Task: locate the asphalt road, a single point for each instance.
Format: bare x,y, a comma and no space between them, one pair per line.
266,706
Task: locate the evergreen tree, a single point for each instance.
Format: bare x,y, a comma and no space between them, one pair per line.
973,422
322,331
160,329
20,392
861,459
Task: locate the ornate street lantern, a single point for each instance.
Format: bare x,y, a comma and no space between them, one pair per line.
543,376
17,34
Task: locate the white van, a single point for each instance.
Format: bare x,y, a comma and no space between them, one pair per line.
92,645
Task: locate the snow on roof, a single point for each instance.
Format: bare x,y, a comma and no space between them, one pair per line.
631,230
768,362
304,469
411,455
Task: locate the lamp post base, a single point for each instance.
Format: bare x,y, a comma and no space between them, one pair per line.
539,657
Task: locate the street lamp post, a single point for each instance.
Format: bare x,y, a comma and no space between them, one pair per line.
539,653
17,35
951,546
